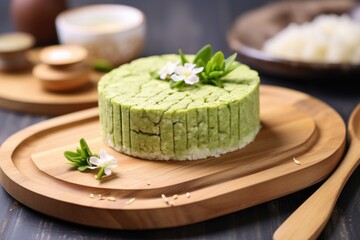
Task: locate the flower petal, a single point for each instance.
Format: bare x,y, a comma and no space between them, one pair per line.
107,171
192,79
168,69
189,66
112,164
95,161
197,70
163,76
179,70
103,154
177,78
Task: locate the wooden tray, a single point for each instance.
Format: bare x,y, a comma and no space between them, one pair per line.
23,92
34,171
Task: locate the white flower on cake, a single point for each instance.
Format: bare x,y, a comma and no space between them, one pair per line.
187,73
105,163
168,69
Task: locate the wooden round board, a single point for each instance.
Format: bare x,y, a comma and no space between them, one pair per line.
21,91
294,125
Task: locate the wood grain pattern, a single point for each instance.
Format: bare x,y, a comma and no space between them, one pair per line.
310,218
33,169
23,92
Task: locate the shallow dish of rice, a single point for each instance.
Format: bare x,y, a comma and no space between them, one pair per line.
300,40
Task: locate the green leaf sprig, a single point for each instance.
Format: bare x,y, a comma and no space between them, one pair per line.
102,65
80,158
215,66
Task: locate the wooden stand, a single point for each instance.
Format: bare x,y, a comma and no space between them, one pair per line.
21,91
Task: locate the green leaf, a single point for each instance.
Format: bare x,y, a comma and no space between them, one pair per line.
229,61
102,65
70,155
155,75
182,57
200,63
85,147
75,161
222,67
216,74
208,67
203,54
79,151
218,60
81,158
232,67
203,76
218,82
177,84
82,168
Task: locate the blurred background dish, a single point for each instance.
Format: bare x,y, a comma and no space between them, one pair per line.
249,41
60,55
37,17
63,68
112,32
13,47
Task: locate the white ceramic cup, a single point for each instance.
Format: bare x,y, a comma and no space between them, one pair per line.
112,32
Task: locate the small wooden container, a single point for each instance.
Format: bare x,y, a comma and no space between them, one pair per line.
13,47
62,68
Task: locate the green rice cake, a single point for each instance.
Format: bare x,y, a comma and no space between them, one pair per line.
143,117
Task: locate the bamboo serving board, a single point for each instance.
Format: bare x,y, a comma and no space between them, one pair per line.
23,92
294,125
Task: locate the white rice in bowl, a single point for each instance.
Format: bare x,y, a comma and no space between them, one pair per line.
327,39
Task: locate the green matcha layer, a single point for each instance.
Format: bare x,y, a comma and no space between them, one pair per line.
143,117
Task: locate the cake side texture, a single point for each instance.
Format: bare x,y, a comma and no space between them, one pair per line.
143,117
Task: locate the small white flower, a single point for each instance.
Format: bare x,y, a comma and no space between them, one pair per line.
188,73
168,69
105,161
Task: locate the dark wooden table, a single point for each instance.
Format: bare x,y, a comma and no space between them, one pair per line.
189,25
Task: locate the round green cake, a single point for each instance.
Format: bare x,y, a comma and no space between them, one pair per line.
143,117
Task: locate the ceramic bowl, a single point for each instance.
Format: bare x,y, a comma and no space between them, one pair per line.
112,32
251,30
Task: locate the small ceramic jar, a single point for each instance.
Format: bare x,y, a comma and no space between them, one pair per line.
13,47
37,17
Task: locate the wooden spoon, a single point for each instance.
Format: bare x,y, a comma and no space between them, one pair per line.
310,218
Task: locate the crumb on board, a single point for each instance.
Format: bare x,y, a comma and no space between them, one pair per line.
188,195
165,198
175,196
296,161
14,206
99,196
130,201
91,195
112,199
172,203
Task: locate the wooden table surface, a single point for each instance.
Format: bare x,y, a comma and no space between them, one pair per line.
190,24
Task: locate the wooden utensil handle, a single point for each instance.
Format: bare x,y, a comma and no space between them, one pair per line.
310,218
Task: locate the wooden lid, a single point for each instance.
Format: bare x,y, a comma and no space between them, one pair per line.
55,79
15,42
60,55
